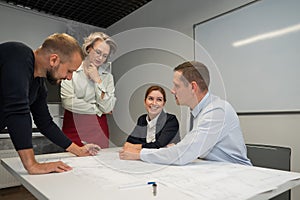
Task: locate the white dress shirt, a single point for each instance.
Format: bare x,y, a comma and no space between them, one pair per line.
151,129
83,96
216,136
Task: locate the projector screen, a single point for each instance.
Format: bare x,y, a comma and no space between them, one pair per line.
253,53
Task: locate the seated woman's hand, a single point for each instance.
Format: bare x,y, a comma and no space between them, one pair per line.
129,145
170,145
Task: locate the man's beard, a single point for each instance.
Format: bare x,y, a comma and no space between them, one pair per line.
51,79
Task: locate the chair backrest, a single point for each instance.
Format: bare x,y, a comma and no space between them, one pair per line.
274,157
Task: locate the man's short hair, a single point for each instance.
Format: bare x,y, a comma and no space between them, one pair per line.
194,71
62,44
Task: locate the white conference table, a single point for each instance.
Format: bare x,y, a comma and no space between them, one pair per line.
105,176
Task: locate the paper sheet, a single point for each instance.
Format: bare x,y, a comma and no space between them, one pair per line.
202,179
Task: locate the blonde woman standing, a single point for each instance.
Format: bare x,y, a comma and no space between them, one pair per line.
89,96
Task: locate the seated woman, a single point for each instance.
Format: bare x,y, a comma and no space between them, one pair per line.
157,128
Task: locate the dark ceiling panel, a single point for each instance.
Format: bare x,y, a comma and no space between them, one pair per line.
101,13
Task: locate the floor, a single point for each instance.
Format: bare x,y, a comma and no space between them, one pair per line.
16,193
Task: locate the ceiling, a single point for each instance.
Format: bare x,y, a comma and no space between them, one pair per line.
100,13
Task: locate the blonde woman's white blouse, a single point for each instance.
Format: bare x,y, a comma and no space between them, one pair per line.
83,96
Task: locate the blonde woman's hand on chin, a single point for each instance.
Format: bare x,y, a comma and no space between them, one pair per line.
93,73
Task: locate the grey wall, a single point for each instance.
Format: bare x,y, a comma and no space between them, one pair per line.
179,17
160,33
32,28
27,27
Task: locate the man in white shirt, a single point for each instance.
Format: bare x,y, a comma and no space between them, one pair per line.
216,134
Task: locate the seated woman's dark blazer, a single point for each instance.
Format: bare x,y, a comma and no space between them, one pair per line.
167,131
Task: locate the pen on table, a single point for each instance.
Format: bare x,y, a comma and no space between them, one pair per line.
95,146
135,185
